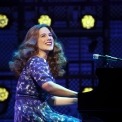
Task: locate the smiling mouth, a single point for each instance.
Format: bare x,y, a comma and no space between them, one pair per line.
48,43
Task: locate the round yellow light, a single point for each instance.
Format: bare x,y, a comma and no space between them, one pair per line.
44,19
3,21
88,21
3,94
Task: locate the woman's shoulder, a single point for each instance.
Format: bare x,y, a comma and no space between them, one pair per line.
37,59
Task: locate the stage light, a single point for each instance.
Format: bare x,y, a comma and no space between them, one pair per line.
87,89
4,99
3,21
4,94
88,21
44,19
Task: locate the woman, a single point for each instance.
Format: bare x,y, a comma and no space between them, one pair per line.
38,60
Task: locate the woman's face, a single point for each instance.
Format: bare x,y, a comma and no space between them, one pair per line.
45,41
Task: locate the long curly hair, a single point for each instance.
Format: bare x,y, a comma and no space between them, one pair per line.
29,48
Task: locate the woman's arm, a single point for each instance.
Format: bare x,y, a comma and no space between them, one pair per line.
58,90
64,101
60,101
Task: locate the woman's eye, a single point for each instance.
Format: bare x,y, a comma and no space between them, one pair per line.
42,35
50,35
46,35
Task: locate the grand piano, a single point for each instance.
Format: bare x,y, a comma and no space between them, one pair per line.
104,102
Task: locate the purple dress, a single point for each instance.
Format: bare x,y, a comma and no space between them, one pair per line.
31,103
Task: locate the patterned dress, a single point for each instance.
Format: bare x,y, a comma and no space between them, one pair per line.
31,100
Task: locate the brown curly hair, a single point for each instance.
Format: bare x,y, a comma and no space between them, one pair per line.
28,48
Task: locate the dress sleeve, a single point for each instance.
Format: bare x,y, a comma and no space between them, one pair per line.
39,69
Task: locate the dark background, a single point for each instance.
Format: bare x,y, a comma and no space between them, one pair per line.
79,44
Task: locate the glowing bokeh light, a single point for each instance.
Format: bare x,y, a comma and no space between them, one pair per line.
3,21
44,19
88,21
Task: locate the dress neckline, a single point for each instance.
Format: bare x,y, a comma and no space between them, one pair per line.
40,57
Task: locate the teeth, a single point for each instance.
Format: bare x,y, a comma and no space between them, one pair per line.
49,43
